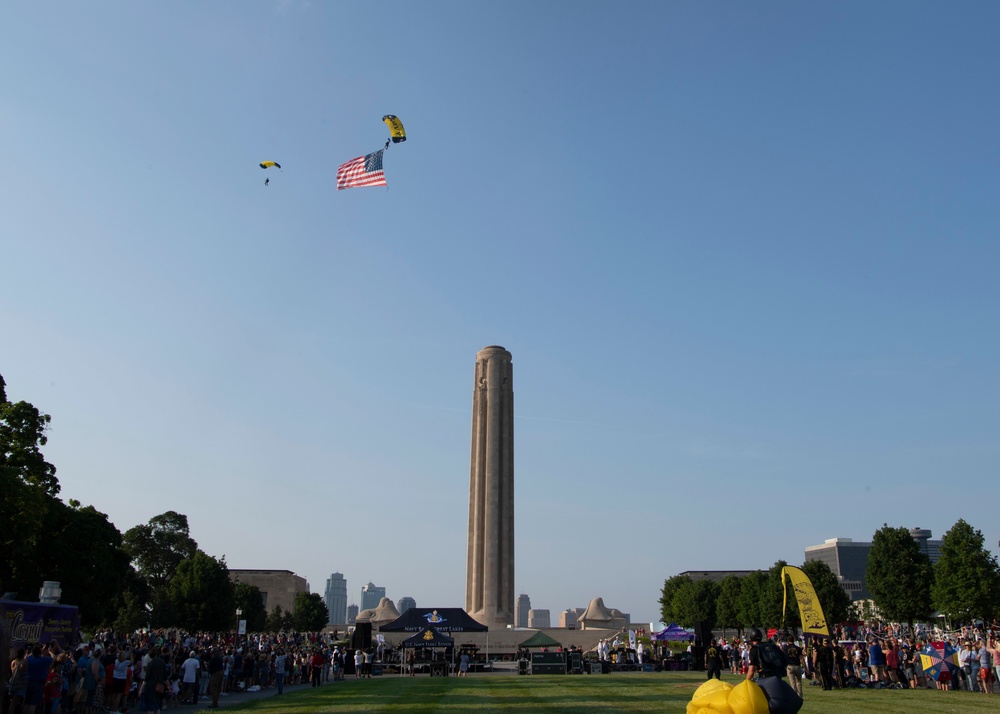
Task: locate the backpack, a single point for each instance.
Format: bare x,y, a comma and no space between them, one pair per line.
773,661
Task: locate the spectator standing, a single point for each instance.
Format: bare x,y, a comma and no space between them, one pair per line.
279,671
876,660
316,665
216,673
190,667
794,655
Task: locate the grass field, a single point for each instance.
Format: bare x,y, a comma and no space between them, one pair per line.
586,694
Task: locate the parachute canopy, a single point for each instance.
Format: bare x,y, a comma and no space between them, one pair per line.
396,131
269,164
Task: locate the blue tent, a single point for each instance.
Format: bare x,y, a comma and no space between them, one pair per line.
672,633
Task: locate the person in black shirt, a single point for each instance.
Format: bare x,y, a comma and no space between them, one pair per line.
713,661
794,654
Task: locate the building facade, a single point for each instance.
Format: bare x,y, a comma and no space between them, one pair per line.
521,610
568,619
405,603
352,614
371,596
489,586
848,559
277,587
336,598
539,619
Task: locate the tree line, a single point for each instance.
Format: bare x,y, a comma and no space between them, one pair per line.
963,586
153,575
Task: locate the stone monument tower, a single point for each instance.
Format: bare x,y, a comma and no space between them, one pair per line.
489,584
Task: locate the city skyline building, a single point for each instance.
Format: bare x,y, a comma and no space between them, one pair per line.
848,559
521,610
568,618
539,619
336,599
489,586
405,603
352,614
371,596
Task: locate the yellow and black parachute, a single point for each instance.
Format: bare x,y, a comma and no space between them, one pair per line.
396,131
269,164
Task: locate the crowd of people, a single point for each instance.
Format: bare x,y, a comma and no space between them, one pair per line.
882,659
111,672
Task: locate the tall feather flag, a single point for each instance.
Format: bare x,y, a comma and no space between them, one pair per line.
813,619
363,171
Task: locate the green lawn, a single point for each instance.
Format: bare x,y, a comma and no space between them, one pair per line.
633,692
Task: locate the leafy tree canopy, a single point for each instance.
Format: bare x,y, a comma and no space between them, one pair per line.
899,576
966,579
28,485
670,587
727,610
202,595
250,601
158,547
309,613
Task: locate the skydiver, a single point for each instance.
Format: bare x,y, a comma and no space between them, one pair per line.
267,181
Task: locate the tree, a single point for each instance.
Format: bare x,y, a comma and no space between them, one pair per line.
201,594
29,485
752,592
309,612
966,578
727,606
670,587
278,620
899,576
157,549
694,601
250,601
82,551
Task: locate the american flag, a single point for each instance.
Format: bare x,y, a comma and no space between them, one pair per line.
362,171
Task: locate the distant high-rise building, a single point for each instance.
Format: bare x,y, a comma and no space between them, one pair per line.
567,619
352,614
336,598
371,596
538,619
521,610
405,603
848,559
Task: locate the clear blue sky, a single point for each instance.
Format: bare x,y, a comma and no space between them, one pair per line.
744,255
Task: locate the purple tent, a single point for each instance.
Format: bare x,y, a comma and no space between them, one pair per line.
672,633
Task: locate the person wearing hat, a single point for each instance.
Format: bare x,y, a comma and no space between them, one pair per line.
754,636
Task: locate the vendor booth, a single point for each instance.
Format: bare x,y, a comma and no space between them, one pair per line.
430,643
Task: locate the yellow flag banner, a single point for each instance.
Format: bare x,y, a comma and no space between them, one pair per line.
813,619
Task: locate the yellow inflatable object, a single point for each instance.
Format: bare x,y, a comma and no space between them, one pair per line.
748,698
710,687
716,702
718,697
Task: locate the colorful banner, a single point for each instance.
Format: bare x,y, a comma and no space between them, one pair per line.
813,619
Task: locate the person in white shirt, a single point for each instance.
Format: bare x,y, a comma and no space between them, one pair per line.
190,668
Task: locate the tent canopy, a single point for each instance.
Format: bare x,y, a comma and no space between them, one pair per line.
672,633
540,639
442,619
430,637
